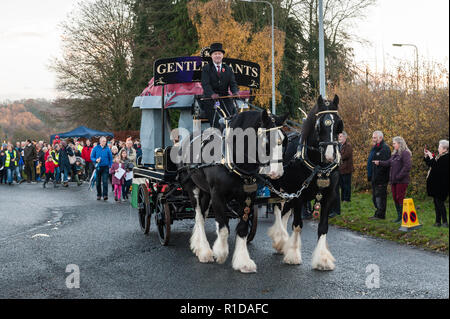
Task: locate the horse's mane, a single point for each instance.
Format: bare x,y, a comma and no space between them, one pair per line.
249,118
309,123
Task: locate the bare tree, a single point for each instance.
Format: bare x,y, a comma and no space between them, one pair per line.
340,16
95,71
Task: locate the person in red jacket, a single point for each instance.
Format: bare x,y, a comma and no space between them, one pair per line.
49,171
86,155
56,141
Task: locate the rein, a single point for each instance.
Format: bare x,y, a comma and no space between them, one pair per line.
322,173
227,161
302,156
239,171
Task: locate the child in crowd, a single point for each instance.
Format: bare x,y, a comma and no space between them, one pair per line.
117,182
49,171
128,166
78,169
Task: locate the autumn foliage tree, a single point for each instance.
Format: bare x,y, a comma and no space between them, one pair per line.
17,123
390,103
215,23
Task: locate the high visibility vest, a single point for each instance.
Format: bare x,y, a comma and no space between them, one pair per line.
8,158
80,148
55,158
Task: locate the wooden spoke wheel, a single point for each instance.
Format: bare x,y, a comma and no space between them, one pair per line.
144,209
252,224
162,219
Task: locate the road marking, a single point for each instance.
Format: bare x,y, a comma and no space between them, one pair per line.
40,235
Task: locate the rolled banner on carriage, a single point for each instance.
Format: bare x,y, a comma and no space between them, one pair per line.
410,220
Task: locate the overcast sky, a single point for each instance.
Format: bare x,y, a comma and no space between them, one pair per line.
29,38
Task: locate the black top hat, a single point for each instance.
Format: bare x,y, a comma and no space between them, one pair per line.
216,47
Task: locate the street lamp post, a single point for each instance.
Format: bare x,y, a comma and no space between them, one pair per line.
416,60
273,54
322,86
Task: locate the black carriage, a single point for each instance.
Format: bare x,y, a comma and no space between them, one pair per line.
156,190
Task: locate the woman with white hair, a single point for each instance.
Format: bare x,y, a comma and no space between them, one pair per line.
437,180
400,166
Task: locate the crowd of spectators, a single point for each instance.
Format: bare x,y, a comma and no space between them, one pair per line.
75,160
61,161
386,167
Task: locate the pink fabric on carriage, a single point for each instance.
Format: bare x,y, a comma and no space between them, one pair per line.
193,88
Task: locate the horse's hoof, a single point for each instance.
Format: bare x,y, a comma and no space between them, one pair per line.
278,241
322,259
206,256
278,247
220,254
248,268
326,265
324,262
292,258
220,259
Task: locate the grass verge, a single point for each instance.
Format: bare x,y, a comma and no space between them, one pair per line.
354,216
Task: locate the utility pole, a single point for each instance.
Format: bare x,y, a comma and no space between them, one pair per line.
322,84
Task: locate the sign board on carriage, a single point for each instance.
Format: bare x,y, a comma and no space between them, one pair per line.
189,69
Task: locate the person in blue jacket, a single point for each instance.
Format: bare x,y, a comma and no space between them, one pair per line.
102,155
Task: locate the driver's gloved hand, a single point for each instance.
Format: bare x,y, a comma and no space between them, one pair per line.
222,124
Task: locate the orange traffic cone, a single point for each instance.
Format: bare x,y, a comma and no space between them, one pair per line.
410,220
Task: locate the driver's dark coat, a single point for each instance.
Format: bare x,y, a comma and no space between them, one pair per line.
213,83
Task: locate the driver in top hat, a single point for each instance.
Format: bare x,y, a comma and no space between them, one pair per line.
217,80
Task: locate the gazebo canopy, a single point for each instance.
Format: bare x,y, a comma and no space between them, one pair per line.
81,131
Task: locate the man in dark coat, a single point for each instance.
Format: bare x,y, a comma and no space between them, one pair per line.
379,175
437,180
64,162
29,157
2,164
217,80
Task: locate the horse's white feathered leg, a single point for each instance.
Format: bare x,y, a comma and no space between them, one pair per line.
278,232
220,247
199,242
292,248
241,258
285,219
321,257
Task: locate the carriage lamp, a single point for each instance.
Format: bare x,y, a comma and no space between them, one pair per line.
159,158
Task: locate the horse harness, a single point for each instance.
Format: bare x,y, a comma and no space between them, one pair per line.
249,178
323,173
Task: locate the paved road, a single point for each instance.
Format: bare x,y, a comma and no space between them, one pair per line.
117,261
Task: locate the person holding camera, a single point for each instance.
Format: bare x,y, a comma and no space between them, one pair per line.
437,180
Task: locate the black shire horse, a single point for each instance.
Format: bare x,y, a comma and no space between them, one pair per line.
312,158
218,185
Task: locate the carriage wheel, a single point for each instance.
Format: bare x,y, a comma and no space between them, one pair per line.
162,219
252,224
144,209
